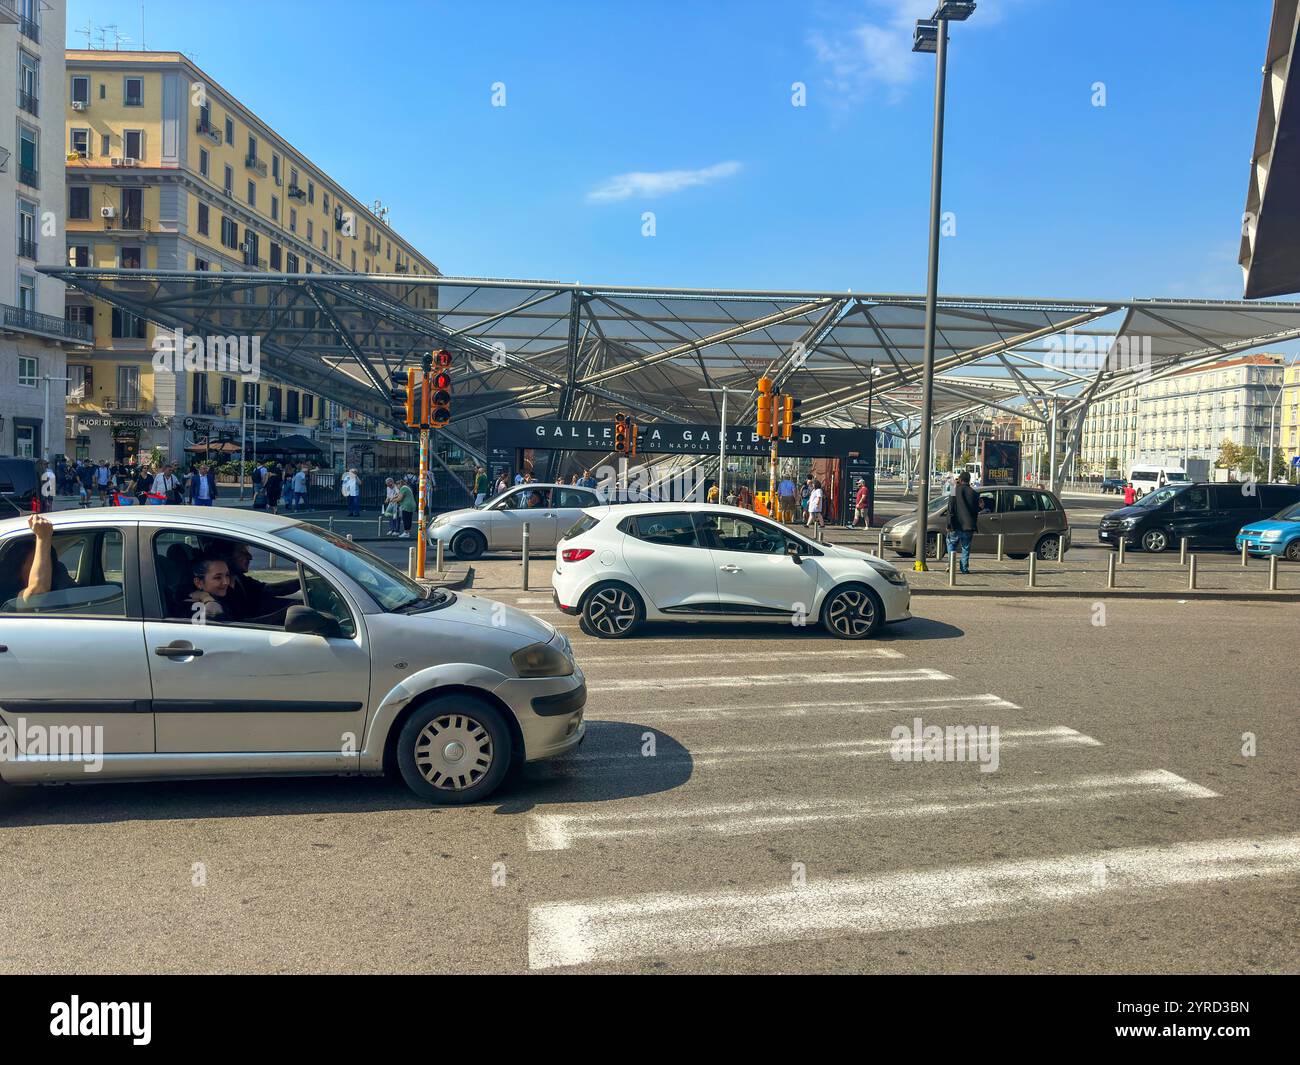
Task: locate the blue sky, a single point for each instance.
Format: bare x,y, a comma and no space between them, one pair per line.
1052,196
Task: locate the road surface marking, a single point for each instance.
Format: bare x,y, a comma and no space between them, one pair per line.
563,831
746,654
748,680
617,929
926,705
632,754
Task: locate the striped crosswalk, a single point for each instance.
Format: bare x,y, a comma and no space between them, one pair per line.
729,751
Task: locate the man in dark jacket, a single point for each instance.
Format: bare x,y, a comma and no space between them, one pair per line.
963,519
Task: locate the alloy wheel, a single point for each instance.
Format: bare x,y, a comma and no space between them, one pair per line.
851,613
611,611
1155,540
454,752
1293,551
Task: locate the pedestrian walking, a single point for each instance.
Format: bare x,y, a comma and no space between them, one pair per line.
351,487
406,508
1130,495
390,507
299,487
963,520
860,501
273,486
785,494
480,486
167,486
816,498
203,486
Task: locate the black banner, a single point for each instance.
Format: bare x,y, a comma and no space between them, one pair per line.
1001,462
661,438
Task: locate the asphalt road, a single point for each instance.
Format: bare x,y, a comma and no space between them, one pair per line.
736,808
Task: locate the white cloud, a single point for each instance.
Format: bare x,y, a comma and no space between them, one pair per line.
878,53
653,183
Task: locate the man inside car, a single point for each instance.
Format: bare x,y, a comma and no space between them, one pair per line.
36,570
251,599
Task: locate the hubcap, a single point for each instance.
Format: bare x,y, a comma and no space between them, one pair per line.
1155,541
453,752
851,613
611,611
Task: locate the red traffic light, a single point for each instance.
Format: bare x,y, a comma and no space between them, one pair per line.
442,358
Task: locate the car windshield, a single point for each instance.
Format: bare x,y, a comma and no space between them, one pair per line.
389,587
1291,513
1154,499
1175,475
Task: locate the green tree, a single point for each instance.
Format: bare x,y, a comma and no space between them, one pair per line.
1230,456
1249,462
1112,464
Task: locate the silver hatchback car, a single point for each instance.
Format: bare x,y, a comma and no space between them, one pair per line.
549,510
178,642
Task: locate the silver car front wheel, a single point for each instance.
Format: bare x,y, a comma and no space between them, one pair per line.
852,612
454,750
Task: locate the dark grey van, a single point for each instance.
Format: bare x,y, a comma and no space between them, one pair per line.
1207,514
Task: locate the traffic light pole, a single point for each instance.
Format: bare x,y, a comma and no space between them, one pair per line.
422,509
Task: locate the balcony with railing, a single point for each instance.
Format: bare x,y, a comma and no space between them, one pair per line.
207,129
125,402
297,192
29,29
26,248
24,320
28,102
255,164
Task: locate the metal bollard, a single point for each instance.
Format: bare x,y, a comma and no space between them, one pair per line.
1060,547
410,562
525,556
880,544
1245,552
441,557
1033,569
1110,570
331,524
1002,543
1272,573
1191,572
821,533
952,569
1121,550
939,544
1182,550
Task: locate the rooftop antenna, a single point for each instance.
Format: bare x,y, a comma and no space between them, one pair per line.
380,211
87,32
143,47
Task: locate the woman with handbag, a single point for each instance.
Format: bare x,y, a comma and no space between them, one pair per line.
390,507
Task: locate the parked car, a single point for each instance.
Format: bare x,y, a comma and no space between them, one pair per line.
1206,514
619,566
498,524
19,485
365,670
1278,535
1029,519
1113,484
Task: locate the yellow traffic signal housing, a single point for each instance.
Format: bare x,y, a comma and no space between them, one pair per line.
441,382
787,416
620,434
410,397
631,437
763,417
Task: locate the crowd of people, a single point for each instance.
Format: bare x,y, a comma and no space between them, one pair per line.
126,483
806,503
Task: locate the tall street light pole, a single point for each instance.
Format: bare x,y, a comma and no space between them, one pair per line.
932,36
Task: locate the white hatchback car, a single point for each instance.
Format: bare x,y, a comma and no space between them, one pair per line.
621,565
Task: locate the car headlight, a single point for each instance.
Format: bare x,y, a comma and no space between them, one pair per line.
1128,523
441,519
1271,534
888,572
541,660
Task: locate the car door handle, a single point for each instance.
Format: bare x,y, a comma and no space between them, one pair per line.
172,650
730,569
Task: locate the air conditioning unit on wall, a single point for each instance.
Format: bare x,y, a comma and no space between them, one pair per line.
108,212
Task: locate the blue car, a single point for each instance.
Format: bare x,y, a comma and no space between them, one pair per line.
1279,535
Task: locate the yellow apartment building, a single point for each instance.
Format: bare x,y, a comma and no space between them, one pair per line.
167,170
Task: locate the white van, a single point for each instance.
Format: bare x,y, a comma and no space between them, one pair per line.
1148,477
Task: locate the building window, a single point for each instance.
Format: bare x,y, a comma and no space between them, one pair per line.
203,162
104,148
229,187
79,382
79,202
28,157
273,403
309,237
308,405
133,143
354,260
79,142
127,326
290,263
230,130
133,92
80,89
79,255
311,192
131,259
201,264
325,202
28,371
203,219
252,147
275,208
228,390
252,195
275,256
275,168
293,220
291,407
229,232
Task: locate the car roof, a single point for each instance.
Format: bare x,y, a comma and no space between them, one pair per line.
197,517
547,484
668,507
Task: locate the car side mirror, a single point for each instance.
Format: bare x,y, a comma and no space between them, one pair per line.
309,622
792,550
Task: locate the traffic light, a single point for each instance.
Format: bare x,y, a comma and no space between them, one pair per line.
631,437
789,416
441,389
402,395
620,433
763,417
